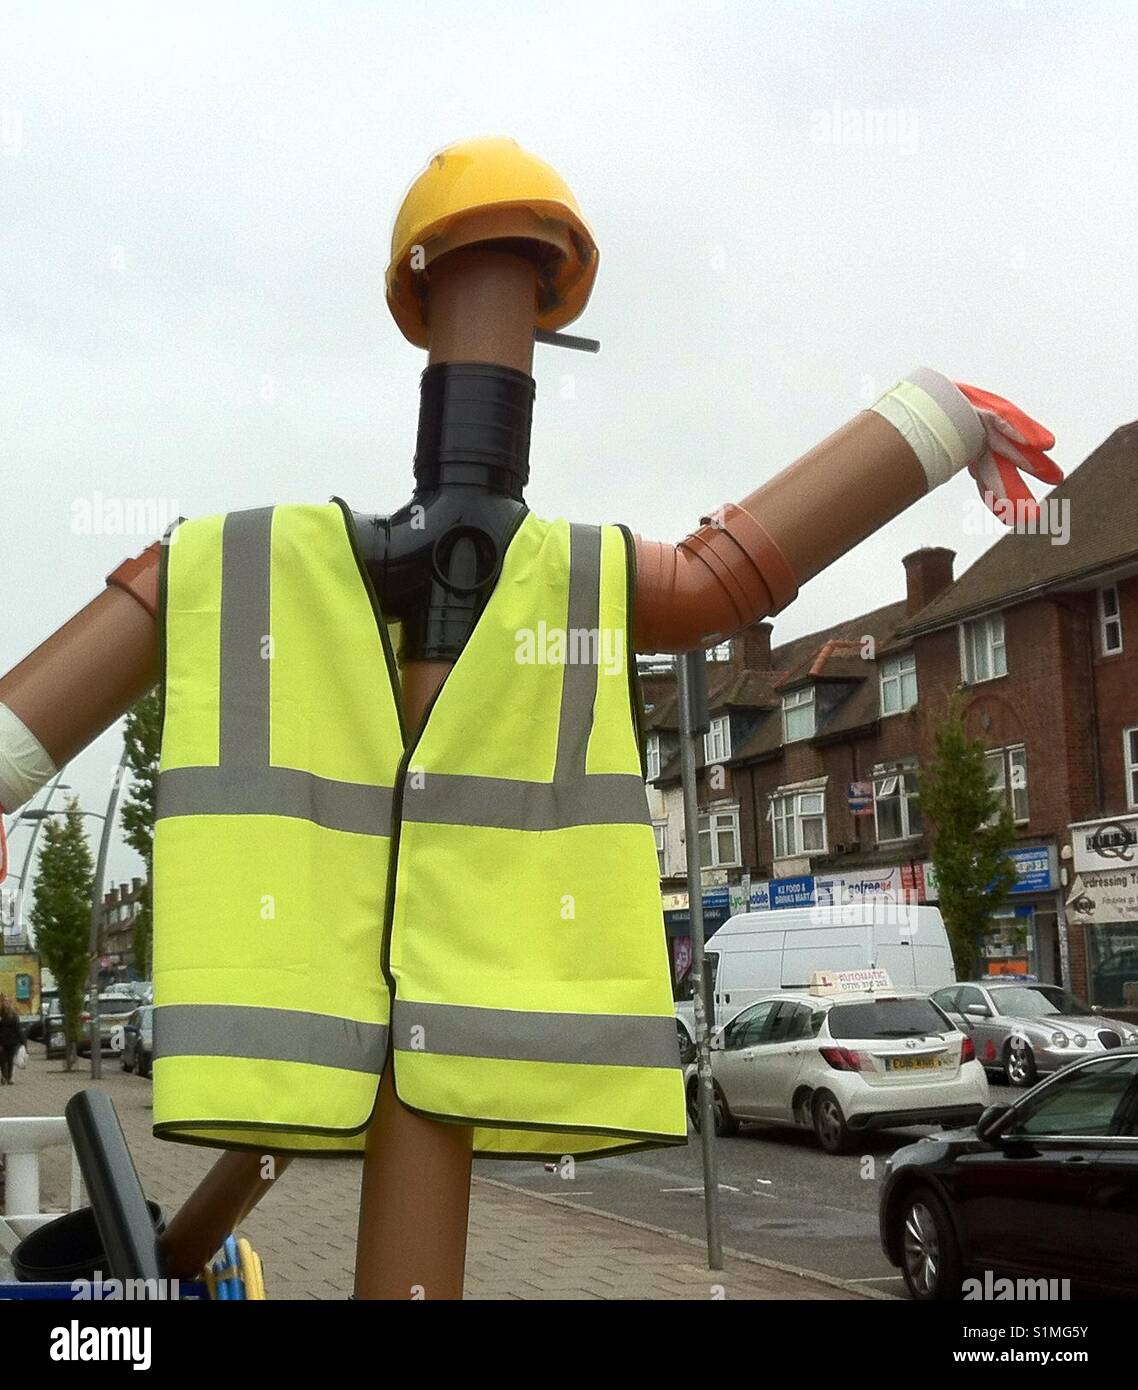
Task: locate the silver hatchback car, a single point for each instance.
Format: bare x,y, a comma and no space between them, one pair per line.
1026,1030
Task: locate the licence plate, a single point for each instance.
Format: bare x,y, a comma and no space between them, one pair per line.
911,1063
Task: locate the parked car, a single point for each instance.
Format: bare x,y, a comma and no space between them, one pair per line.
114,1009
756,953
1046,1188
37,1024
1025,1029
138,1041
841,1064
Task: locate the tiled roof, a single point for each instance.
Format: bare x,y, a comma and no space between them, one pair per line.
832,654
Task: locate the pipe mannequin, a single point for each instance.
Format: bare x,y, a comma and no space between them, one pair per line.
482,297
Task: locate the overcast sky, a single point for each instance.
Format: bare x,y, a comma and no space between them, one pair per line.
196,204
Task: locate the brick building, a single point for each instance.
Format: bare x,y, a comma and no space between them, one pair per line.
121,905
811,771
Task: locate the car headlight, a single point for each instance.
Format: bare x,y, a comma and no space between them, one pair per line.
1080,1040
1059,1040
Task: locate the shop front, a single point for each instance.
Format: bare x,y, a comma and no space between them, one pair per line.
1103,901
1024,937
717,907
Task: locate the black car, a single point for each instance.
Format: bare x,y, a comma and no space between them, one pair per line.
1046,1188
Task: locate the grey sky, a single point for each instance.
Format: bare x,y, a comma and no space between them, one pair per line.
195,206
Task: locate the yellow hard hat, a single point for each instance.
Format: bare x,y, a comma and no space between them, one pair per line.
485,190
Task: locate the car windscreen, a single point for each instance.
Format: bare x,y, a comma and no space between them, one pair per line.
1037,1001
887,1018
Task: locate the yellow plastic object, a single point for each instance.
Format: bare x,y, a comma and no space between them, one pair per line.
252,1272
474,177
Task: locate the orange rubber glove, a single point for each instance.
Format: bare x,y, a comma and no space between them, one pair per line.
1016,445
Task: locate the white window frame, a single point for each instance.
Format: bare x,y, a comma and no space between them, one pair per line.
990,631
717,740
1110,645
652,757
660,830
1011,758
1130,763
885,784
899,672
709,825
792,702
787,811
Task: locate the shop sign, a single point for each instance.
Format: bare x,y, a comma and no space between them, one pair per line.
792,892
1105,844
1102,898
1032,864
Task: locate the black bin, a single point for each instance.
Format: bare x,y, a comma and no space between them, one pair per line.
67,1249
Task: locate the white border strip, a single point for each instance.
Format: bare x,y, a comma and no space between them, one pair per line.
24,763
936,421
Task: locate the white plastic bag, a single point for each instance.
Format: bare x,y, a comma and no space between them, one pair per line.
22,1057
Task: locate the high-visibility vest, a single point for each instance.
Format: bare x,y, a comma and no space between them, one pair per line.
477,907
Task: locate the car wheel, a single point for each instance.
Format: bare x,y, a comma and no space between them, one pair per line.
725,1123
830,1124
1019,1064
930,1255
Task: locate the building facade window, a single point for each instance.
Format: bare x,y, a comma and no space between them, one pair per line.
1130,758
1110,620
660,830
1007,768
899,683
720,652
652,756
798,823
983,655
798,715
719,839
895,805
717,740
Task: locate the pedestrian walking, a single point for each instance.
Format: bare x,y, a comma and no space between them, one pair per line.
11,1038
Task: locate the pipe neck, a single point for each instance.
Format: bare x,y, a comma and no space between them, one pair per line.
474,428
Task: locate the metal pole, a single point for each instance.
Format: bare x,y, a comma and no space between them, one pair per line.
96,906
691,677
18,914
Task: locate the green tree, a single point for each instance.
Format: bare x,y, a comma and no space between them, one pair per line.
143,735
61,915
973,830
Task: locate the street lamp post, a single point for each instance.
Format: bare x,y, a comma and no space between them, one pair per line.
35,817
96,903
108,819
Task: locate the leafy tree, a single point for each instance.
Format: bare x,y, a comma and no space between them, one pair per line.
143,735
973,832
61,914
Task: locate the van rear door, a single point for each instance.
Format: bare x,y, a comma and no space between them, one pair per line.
810,948
895,948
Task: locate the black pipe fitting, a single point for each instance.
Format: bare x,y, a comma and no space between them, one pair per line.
434,562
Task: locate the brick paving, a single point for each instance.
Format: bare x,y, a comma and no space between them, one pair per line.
521,1245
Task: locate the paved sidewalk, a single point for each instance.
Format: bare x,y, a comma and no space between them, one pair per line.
522,1246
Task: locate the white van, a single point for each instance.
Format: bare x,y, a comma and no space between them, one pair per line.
756,952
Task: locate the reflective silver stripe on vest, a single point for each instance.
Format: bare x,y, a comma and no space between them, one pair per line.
573,797
269,1035
512,1035
275,791
245,783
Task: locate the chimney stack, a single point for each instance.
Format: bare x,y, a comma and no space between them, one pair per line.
751,648
928,572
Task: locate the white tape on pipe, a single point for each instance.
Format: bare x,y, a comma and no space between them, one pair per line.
936,421
24,763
